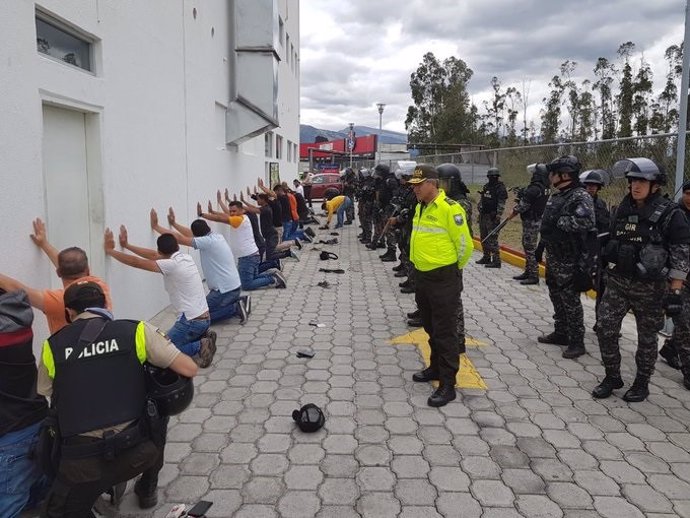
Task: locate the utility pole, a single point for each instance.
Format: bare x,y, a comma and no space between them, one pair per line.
351,141
683,115
380,107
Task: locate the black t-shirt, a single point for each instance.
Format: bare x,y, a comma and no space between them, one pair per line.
286,213
277,213
267,222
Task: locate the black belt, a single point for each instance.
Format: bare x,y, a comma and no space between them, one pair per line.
80,447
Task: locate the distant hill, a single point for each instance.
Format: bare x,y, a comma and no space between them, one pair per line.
308,134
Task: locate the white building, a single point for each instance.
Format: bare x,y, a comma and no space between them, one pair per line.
110,108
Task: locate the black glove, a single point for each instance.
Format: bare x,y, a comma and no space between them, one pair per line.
673,304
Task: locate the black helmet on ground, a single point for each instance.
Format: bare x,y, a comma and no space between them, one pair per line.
171,392
640,168
568,164
594,176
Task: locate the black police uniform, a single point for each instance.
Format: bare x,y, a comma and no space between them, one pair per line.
491,205
98,384
530,206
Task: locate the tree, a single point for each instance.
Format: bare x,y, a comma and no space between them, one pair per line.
513,99
626,91
586,112
572,95
441,111
642,92
604,71
551,112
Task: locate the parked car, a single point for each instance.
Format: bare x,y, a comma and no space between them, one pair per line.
324,184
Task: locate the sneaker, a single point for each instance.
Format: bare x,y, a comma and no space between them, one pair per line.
298,244
308,231
294,255
247,299
242,309
207,350
280,280
308,237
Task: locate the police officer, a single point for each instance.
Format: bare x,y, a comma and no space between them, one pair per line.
492,202
649,247
593,180
382,198
676,351
92,370
530,205
365,195
402,222
450,180
567,221
440,247
349,188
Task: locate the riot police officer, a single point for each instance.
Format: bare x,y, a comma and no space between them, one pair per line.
450,180
365,196
530,205
567,229
491,205
92,369
649,247
402,222
349,187
385,186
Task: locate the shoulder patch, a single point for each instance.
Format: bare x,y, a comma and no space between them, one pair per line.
451,201
459,220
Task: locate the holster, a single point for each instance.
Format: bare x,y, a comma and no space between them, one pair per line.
155,423
48,447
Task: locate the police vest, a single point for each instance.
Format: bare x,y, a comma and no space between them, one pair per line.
538,204
436,228
556,206
490,197
97,383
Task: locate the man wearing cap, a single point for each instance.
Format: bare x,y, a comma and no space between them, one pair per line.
92,371
492,203
440,247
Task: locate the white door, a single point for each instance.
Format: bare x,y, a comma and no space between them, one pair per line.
66,178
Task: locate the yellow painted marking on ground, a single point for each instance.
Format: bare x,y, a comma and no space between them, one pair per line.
467,377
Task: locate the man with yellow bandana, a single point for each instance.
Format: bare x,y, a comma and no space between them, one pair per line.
439,248
92,370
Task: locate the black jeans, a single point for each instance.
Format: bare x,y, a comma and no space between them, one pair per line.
437,293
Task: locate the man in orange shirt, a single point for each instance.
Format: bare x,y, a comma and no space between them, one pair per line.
71,265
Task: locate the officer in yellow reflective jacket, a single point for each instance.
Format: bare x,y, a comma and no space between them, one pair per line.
439,248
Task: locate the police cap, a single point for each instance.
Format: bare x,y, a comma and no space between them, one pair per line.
84,294
422,173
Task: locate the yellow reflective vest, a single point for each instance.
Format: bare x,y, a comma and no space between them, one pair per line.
440,235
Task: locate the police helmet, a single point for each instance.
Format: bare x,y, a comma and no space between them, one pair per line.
536,168
493,172
405,169
568,164
381,171
594,176
171,392
641,168
448,171
364,172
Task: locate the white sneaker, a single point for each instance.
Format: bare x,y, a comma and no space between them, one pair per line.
244,314
280,280
294,254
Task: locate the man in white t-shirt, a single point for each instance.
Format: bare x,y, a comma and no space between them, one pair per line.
224,297
182,281
244,247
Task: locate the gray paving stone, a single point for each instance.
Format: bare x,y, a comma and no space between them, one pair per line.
378,505
613,507
670,486
339,466
509,457
568,495
256,511
596,483
229,477
375,479
492,493
410,466
622,472
419,512
523,481
306,454
450,504
481,468
533,506
647,499
338,491
552,470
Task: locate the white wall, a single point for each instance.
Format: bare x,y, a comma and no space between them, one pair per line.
156,127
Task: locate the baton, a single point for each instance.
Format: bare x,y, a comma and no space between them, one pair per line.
396,209
499,227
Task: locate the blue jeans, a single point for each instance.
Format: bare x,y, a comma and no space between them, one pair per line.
186,334
21,483
251,279
295,231
222,305
347,203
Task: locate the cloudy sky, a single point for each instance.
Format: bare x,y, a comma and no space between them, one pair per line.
356,53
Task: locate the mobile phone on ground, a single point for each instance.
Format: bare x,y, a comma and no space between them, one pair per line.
199,509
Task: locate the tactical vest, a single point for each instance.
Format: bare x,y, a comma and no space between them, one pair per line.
489,197
636,246
556,206
99,383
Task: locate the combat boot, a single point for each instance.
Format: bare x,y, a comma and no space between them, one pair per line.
415,314
407,289
553,338
611,382
415,322
529,281
521,277
495,263
400,274
425,375
371,245
484,259
686,378
365,240
668,352
639,390
574,351
443,395
405,284
398,268
389,256
147,493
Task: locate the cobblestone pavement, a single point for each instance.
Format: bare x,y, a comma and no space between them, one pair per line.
534,444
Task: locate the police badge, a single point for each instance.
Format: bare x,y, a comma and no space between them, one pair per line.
459,220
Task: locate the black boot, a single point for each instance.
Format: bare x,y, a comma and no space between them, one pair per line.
365,240
425,375
400,274
574,351
553,338
372,245
415,314
415,322
686,378
530,280
388,258
443,395
521,277
405,284
407,289
669,353
399,268
147,492
639,390
495,263
611,382
484,259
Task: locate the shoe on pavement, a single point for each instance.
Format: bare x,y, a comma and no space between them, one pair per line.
247,302
242,310
574,351
207,350
146,494
399,274
310,232
638,391
443,395
414,314
669,353
521,277
553,338
493,264
415,322
529,281
294,255
398,268
425,375
607,386
281,283
407,289
298,244
404,284
308,238
485,259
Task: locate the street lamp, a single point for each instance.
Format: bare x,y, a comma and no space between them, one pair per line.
351,141
380,107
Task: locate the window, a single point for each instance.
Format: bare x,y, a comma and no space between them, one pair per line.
295,153
318,179
268,144
289,151
279,147
281,31
61,43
